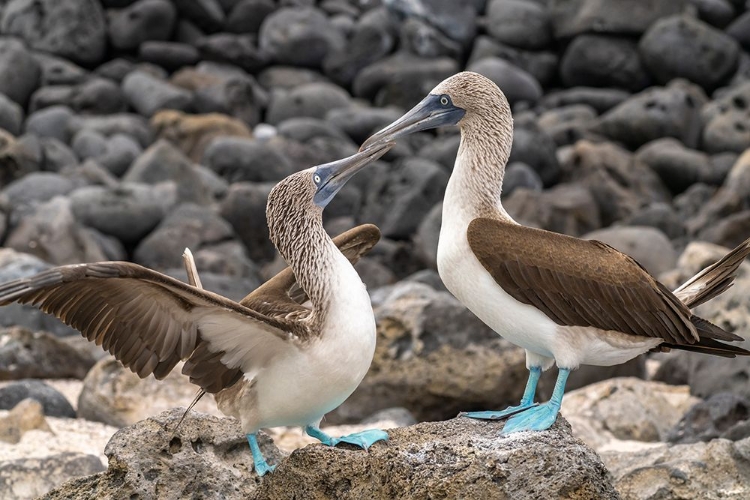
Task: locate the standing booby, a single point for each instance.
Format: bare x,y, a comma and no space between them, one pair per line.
564,300
269,360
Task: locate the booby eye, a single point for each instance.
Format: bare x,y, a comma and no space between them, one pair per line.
316,179
444,100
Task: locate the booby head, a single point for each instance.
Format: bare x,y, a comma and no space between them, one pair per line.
462,99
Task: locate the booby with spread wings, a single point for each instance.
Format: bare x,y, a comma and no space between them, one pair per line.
563,299
285,355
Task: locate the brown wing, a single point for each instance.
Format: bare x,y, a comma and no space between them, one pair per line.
150,321
282,295
579,282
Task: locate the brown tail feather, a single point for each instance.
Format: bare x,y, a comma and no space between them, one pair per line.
713,280
710,346
708,330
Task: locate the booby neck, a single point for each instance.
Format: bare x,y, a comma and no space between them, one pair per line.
476,183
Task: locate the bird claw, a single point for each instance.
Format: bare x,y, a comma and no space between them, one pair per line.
497,414
363,439
261,468
533,419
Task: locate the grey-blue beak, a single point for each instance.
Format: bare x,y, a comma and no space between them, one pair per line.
432,112
331,177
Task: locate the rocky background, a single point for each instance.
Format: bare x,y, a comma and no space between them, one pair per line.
130,130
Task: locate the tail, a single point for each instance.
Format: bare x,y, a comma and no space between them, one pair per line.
704,286
197,398
713,280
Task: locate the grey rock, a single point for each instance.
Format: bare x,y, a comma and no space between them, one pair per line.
542,65
206,14
27,355
169,55
239,50
148,94
402,79
442,150
52,233
54,403
532,146
300,36
434,358
479,464
455,19
401,416
661,216
11,115
288,77
373,37
603,61
163,162
50,122
677,166
304,130
565,208
121,151
204,454
647,245
397,203
187,226
187,32
141,21
428,234
629,17
34,477
424,40
718,13
313,99
73,29
682,471
429,277
568,124
238,159
374,274
58,71
245,208
683,47
739,30
525,25
520,175
116,69
729,231
228,286
517,84
36,187
715,417
246,16
19,156
89,144
359,122
128,212
622,188
671,111
726,121
97,96
602,100
228,258
20,71
57,155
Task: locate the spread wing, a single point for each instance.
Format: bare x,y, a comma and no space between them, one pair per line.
282,295
580,283
150,321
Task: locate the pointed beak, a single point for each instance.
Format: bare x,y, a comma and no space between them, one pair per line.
331,177
429,113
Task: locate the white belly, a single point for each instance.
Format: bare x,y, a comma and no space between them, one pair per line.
522,324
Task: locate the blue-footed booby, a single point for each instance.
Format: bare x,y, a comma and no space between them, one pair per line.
565,300
271,359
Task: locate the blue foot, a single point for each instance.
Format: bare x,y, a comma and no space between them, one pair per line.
260,464
543,416
498,414
363,439
538,418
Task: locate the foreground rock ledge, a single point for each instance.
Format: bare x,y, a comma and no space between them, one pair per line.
459,458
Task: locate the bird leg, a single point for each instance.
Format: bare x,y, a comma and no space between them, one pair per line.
527,401
363,439
260,464
543,416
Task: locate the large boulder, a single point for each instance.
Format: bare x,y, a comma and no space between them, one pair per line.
29,478
459,458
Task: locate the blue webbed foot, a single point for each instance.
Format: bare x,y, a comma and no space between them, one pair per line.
497,414
260,464
538,418
364,439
